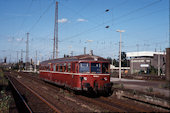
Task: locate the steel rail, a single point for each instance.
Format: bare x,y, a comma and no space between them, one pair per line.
27,106
41,98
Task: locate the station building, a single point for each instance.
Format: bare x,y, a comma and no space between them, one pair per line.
145,60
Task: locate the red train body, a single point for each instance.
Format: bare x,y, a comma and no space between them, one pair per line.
82,73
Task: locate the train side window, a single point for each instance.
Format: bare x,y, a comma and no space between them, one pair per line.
84,67
77,70
105,68
54,67
73,67
49,67
61,68
64,67
57,67
69,67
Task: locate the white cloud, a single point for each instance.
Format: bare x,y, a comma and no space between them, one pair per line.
81,20
63,20
19,39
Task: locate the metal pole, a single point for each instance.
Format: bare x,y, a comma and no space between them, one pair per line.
55,45
120,58
27,51
17,56
35,62
84,50
159,64
56,29
131,66
120,31
21,55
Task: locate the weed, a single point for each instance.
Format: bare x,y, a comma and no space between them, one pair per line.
122,86
134,92
166,85
4,102
150,89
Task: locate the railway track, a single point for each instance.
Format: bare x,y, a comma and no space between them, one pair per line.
20,101
101,104
32,100
54,96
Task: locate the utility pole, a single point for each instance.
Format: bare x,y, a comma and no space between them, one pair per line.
120,31
27,51
55,45
159,63
17,55
131,66
84,50
35,62
71,53
21,55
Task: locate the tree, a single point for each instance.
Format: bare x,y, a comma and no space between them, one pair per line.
109,59
124,61
115,62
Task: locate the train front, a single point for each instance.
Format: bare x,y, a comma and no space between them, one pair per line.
95,77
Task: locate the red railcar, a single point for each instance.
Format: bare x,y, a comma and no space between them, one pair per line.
82,73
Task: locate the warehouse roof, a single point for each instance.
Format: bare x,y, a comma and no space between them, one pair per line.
143,53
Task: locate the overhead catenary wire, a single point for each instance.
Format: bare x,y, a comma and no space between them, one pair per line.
127,14
84,16
33,26
24,19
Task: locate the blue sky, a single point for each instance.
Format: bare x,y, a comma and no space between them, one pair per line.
146,25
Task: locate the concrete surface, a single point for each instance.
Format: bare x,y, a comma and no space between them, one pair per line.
143,85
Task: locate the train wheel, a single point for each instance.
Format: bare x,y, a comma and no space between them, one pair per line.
108,92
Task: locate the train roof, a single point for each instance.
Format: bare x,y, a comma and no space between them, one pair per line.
85,57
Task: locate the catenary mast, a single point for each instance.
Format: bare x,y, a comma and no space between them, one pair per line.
55,45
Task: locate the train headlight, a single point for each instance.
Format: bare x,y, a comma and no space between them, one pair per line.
105,78
85,78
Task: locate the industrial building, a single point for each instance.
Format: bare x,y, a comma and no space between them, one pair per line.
147,62
168,64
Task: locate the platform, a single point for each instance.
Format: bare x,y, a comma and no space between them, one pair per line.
143,85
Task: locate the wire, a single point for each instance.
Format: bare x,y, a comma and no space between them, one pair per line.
41,16
127,14
29,7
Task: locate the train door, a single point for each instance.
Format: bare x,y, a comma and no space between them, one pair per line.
73,70
52,78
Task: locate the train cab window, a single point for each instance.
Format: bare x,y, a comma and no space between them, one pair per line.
69,67
105,68
95,68
54,67
84,67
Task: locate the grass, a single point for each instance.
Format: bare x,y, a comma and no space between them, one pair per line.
3,80
5,99
117,85
150,89
165,86
4,102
